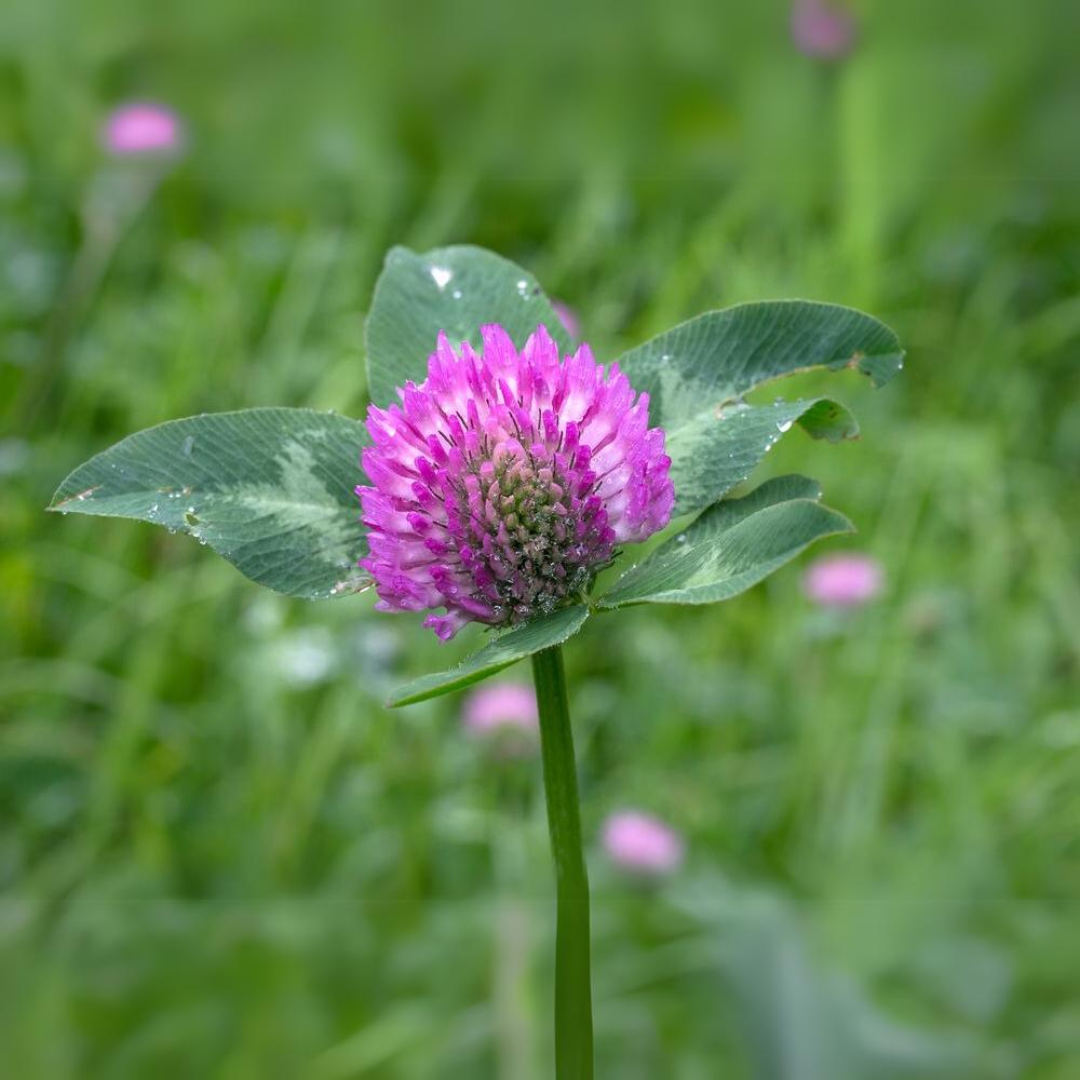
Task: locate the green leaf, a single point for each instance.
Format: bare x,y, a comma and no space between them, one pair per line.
720,356
270,490
712,453
731,546
506,649
697,373
456,289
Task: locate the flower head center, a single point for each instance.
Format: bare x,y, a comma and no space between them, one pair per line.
533,531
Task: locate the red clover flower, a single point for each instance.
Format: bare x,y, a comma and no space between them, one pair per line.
143,127
843,580
501,706
822,31
641,843
503,483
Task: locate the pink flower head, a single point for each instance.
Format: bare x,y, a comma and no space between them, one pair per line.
822,31
846,580
501,707
639,842
143,128
568,318
502,483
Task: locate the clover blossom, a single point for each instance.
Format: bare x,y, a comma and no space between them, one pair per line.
641,843
500,707
143,127
844,580
821,31
503,483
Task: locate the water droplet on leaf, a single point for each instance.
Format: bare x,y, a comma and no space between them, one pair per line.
441,276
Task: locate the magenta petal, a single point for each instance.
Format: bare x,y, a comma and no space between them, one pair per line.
501,485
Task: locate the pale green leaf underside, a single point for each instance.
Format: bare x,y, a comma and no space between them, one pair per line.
697,373
731,546
503,651
456,289
713,452
270,490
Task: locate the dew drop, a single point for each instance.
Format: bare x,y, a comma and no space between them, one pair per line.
441,276
189,445
681,538
457,294
784,426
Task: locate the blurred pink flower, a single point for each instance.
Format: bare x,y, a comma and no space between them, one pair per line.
499,707
845,580
568,317
639,842
821,31
143,128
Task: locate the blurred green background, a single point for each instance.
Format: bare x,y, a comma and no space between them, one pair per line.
221,857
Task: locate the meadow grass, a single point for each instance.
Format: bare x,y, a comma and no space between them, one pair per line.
221,856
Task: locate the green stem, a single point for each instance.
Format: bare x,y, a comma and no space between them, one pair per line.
573,999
